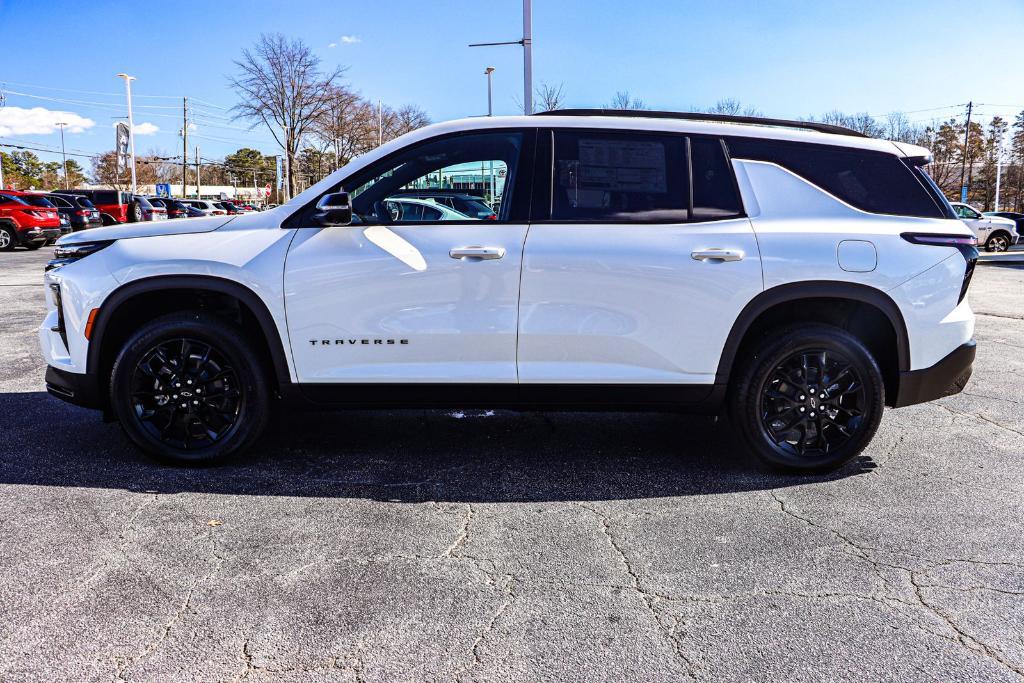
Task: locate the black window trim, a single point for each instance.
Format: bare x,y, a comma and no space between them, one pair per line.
813,145
548,206
521,206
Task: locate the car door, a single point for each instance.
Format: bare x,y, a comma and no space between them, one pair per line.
423,300
633,278
979,225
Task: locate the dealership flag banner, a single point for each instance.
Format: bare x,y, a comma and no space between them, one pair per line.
121,145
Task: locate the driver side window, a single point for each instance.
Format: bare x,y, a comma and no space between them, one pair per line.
455,179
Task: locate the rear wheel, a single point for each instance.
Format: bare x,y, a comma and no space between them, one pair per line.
809,399
7,238
998,242
32,246
187,389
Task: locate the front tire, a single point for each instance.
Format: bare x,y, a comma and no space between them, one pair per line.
809,399
998,242
188,389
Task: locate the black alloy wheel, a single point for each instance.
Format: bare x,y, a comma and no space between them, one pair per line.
998,242
806,398
812,403
190,388
186,394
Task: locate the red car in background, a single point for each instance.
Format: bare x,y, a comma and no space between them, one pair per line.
22,224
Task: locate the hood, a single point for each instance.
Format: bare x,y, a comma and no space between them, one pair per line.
177,226
1002,221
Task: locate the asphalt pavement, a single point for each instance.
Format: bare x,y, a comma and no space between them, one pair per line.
496,546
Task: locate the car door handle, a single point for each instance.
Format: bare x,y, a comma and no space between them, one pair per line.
477,253
717,255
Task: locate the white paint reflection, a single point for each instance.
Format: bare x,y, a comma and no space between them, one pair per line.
396,245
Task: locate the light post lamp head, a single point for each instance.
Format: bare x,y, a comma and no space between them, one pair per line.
126,77
488,71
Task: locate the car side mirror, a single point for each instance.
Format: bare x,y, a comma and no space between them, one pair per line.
333,210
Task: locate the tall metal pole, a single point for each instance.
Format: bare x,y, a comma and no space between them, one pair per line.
199,182
131,124
527,57
999,168
490,112
184,146
64,155
963,169
1,171
380,123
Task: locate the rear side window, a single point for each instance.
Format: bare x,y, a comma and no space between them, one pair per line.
106,197
870,181
714,189
605,176
61,202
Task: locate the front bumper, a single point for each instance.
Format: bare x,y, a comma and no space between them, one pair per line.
79,389
947,377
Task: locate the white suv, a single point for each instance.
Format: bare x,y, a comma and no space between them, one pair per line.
799,276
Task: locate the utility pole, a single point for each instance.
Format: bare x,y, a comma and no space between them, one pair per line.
527,42
131,124
999,167
963,169
184,146
380,123
199,182
64,155
527,57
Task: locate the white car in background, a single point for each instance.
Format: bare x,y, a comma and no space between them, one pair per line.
206,206
993,232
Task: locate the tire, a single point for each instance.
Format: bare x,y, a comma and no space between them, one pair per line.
188,353
32,246
134,213
999,241
771,401
7,238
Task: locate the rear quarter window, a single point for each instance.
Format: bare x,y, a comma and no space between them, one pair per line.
868,180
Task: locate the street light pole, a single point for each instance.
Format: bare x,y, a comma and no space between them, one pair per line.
527,57
527,42
63,154
487,72
131,124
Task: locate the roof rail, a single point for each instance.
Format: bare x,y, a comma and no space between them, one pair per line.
718,118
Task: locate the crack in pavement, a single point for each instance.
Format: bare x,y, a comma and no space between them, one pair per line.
463,536
966,640
978,416
649,598
123,663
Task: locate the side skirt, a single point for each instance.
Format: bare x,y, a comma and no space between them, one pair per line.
695,398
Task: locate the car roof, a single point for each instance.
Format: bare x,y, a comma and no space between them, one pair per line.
770,129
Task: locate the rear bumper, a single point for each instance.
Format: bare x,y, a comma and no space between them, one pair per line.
945,378
73,387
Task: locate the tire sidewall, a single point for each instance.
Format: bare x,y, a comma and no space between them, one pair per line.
239,353
745,406
12,239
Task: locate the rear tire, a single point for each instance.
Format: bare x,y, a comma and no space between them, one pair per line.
188,389
809,399
32,246
7,238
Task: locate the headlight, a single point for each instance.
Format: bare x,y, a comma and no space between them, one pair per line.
69,253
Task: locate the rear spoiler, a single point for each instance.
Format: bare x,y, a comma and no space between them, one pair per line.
914,155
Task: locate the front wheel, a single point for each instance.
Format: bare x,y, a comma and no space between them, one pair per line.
7,238
188,389
809,399
998,242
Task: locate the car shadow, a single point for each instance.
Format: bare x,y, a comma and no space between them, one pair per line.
410,456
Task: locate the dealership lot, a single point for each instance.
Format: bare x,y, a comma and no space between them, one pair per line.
421,545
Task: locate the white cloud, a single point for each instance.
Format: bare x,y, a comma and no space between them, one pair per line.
332,45
349,40
40,121
146,128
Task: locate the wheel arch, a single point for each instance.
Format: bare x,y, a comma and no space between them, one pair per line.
849,305
120,301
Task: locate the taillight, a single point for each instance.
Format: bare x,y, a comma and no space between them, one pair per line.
965,244
82,212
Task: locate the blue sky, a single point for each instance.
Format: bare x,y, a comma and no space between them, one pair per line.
788,58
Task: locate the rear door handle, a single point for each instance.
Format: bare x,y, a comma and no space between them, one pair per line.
477,253
717,255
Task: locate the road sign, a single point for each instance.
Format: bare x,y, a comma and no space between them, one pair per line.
163,189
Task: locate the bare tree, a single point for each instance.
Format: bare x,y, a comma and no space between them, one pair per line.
549,97
281,85
732,107
622,100
348,124
400,121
